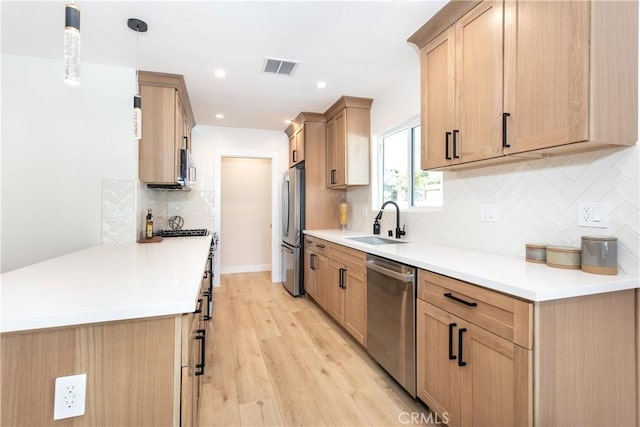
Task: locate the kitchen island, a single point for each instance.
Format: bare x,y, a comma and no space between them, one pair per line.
124,315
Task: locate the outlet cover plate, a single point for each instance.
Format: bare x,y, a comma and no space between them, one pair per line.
489,212
70,396
592,214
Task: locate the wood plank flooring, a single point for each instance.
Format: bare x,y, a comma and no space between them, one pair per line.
277,360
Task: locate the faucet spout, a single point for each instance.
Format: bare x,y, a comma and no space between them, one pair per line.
399,231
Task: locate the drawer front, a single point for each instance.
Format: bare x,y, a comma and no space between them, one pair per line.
316,245
505,316
347,256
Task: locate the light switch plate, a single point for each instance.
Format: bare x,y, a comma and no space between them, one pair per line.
592,214
489,212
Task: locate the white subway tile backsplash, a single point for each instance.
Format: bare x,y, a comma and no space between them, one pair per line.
538,203
118,211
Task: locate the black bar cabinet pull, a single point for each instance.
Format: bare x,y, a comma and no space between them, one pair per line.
198,307
455,144
207,315
446,145
333,176
451,355
460,300
201,335
460,361
504,130
341,278
312,261
320,246
186,142
294,155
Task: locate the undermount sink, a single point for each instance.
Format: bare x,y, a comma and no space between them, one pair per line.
373,240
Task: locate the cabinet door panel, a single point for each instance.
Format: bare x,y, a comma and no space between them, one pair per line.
322,285
157,147
546,73
341,148
335,301
356,306
332,153
495,383
478,122
438,377
299,146
437,99
310,277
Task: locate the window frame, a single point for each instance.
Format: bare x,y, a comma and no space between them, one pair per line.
412,126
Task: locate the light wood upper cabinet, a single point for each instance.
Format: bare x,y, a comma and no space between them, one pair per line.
546,74
519,80
348,140
307,135
438,94
167,121
462,90
296,147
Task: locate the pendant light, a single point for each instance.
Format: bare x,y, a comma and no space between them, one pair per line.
138,26
72,44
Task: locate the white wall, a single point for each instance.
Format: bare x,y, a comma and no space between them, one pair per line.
212,143
245,205
537,200
58,144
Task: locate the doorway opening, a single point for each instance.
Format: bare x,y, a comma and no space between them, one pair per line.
245,214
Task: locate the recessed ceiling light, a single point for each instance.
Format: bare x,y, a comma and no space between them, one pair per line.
288,121
321,85
219,116
221,74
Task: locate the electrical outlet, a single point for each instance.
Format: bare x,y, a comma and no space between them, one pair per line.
592,215
70,396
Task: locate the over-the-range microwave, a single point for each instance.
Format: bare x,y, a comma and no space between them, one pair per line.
186,177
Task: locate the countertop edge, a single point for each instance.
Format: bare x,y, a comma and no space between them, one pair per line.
604,283
177,302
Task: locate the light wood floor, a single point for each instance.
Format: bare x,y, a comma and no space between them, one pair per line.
279,360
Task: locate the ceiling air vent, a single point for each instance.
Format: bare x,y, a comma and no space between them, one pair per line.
280,66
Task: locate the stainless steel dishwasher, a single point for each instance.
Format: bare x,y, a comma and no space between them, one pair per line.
391,320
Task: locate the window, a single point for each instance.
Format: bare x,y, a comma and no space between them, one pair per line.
400,176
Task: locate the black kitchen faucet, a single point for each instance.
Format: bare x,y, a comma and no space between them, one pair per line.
376,225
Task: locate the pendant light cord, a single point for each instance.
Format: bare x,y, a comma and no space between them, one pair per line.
137,57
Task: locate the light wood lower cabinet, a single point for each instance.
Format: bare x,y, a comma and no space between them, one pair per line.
316,270
139,372
338,283
470,376
480,363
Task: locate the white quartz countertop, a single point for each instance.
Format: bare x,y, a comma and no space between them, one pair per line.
510,275
105,283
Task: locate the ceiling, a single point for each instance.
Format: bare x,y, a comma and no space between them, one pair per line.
359,48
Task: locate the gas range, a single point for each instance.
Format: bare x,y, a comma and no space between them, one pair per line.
183,233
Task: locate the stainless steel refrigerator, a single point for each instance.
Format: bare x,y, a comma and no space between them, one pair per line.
292,226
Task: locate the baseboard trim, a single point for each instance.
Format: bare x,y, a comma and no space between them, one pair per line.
245,269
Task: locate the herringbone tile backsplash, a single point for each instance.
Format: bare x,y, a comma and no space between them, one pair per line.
537,203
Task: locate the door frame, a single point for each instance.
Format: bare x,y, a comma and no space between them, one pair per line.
276,274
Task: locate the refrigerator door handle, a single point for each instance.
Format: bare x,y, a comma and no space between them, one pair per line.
286,248
285,207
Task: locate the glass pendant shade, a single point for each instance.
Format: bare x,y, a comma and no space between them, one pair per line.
137,117
72,44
